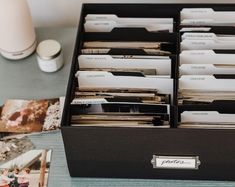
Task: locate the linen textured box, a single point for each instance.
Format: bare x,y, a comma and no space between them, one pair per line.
129,152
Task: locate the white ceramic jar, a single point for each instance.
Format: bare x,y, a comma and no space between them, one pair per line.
49,56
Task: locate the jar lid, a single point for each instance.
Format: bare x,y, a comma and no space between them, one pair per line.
48,49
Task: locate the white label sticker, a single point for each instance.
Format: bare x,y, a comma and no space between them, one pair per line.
174,162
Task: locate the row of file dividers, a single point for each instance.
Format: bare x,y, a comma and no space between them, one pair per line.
133,35
115,34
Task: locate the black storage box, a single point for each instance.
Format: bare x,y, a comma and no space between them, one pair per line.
122,152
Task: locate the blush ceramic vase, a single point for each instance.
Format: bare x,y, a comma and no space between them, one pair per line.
17,34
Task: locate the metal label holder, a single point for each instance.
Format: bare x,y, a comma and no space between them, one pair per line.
176,162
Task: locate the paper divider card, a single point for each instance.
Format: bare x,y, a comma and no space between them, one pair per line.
207,13
217,112
206,69
108,26
206,57
201,44
104,17
206,16
162,65
206,117
207,36
106,23
100,79
205,82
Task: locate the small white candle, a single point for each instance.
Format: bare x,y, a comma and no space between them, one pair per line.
49,56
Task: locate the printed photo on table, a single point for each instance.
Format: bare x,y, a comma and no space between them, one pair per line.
13,146
27,116
31,169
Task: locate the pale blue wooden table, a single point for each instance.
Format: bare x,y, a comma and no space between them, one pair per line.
23,79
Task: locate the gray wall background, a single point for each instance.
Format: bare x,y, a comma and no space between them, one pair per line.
57,13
